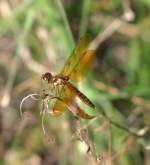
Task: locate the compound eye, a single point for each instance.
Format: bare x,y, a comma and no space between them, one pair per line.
47,77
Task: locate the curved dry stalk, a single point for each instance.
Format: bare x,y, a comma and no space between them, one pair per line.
50,97
32,95
43,126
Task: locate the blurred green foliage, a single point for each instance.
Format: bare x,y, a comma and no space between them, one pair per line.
38,36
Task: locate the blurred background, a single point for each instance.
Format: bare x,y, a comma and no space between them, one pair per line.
38,36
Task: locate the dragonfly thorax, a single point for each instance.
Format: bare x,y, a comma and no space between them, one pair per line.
57,81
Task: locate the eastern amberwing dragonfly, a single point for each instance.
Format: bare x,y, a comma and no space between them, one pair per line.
62,84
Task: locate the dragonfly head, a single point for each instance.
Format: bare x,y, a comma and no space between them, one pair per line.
47,77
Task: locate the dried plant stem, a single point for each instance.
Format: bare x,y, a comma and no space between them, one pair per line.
6,97
108,31
115,25
32,95
43,126
30,63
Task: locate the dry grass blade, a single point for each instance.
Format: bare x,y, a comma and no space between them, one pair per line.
33,96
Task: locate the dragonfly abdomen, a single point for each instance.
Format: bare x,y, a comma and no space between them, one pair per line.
81,96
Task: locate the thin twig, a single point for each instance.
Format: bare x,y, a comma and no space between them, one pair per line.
106,33
25,98
115,25
43,127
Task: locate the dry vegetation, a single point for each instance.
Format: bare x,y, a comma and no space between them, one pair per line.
38,36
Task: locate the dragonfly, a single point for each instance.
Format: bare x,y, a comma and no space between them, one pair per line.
73,71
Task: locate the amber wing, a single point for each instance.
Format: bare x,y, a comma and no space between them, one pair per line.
79,61
74,59
67,101
83,65
75,68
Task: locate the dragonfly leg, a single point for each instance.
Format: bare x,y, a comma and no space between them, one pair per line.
46,107
57,89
